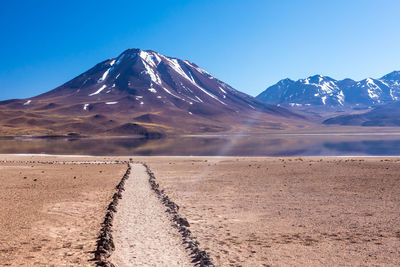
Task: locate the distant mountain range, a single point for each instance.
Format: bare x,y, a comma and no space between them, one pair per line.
141,92
323,91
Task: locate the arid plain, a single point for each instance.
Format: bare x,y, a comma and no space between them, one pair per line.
50,214
247,211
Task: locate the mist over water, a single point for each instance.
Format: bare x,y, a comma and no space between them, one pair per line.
240,145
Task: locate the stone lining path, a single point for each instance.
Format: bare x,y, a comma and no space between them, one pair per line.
142,231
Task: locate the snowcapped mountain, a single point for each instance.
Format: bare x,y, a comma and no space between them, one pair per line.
153,80
147,89
324,91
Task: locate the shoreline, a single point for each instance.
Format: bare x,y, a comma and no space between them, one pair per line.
310,133
173,156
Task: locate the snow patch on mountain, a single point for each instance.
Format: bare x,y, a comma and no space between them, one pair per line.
99,90
105,74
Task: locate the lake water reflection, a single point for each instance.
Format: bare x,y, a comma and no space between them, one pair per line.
238,145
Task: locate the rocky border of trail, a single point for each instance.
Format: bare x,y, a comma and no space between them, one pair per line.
199,257
105,241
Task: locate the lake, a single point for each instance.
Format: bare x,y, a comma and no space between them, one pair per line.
214,145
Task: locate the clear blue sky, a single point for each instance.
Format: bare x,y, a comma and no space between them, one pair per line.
248,44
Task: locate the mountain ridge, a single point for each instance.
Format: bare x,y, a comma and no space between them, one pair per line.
318,90
139,91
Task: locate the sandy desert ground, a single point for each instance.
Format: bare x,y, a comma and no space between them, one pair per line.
50,214
244,211
289,212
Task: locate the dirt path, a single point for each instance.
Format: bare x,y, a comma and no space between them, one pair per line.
142,231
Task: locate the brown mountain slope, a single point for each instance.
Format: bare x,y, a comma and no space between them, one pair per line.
146,93
386,115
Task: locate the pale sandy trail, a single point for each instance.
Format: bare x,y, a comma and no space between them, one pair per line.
143,234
